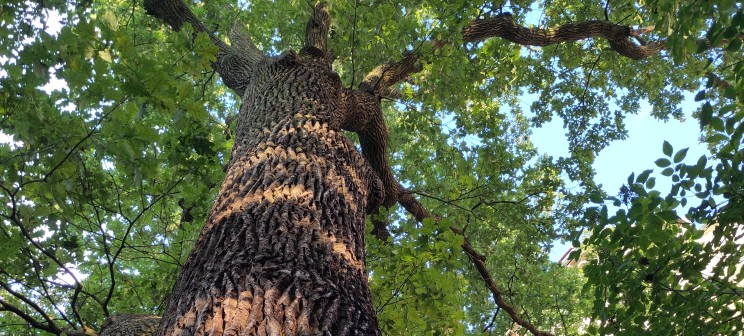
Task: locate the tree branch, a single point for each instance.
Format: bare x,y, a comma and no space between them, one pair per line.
717,80
384,76
49,326
233,62
618,36
175,14
316,34
502,25
419,212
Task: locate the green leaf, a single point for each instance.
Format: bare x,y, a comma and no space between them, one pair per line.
706,114
702,161
680,155
644,176
730,32
651,183
667,148
734,45
716,138
717,124
661,163
700,96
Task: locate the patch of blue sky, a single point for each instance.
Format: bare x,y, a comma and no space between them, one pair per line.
635,154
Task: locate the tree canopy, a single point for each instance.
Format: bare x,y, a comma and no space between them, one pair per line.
107,178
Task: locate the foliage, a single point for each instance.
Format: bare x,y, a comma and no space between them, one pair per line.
649,270
108,178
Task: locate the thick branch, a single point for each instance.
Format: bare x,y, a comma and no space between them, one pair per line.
316,34
420,213
384,76
373,140
175,14
364,116
233,62
618,36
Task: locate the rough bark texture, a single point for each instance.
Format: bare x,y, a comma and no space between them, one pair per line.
282,252
503,26
130,325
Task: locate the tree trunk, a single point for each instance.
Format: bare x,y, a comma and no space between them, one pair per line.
282,252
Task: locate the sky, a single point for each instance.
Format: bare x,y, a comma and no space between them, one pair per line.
637,153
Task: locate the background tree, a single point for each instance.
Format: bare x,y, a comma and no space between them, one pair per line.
109,179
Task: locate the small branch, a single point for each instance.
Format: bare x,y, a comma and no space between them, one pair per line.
128,231
478,261
352,42
49,326
79,143
717,80
14,218
642,30
419,212
491,203
607,10
493,320
398,290
42,283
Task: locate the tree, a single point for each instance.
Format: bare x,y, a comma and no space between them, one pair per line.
109,179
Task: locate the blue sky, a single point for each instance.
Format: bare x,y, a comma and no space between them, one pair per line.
633,155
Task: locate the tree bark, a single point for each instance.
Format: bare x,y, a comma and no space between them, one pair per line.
282,252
